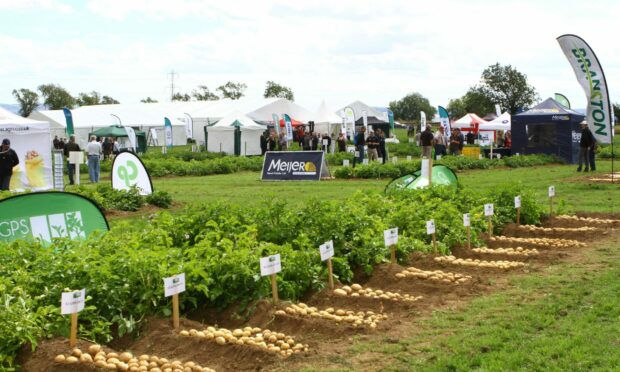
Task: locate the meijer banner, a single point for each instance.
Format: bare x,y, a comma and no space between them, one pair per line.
293,166
590,75
47,215
127,171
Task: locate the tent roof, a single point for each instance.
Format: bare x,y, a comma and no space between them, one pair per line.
237,119
467,121
502,122
279,107
549,107
359,106
325,115
371,120
114,131
7,117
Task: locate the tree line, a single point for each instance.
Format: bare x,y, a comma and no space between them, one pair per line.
56,97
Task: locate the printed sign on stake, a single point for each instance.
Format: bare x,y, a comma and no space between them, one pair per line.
72,302
345,162
430,227
390,236
327,250
517,201
270,265
551,191
466,221
174,285
488,210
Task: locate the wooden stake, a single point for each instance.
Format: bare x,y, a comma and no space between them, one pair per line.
175,310
490,227
518,216
74,328
274,289
430,171
551,206
468,237
393,254
331,273
434,244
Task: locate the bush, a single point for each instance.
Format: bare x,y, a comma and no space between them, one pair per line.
159,199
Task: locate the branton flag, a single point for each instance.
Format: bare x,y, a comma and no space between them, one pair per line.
590,75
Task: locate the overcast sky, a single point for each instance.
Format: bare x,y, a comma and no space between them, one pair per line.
335,50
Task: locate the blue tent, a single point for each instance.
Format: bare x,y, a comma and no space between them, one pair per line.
548,128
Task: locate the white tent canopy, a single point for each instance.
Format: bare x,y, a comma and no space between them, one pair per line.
358,108
279,107
221,135
502,122
468,121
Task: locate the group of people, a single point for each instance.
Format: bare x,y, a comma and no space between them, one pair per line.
96,149
308,141
441,142
375,142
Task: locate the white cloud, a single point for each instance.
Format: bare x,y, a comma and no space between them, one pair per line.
28,5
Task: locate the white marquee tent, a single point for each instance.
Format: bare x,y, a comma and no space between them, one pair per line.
326,120
221,135
279,107
502,122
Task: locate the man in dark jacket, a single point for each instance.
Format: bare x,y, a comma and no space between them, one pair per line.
8,160
360,143
585,144
69,147
263,142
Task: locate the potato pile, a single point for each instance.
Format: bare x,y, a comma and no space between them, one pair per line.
505,265
543,242
127,362
356,290
586,219
360,319
519,251
436,275
264,339
557,229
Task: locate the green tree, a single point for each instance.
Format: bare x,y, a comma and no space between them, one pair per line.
181,97
204,94
616,108
276,90
408,108
232,90
148,100
107,100
56,97
27,99
507,87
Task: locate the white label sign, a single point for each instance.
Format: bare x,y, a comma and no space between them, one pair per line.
430,227
408,157
395,160
390,236
72,302
365,161
517,201
345,163
270,265
76,157
327,250
426,168
466,221
174,285
551,191
488,210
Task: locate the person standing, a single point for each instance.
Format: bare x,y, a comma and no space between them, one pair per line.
455,143
93,149
382,150
69,147
441,142
271,142
373,146
282,142
585,144
426,140
263,143
327,146
342,142
360,143
8,160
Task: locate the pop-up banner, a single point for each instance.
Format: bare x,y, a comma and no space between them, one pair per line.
47,215
294,166
127,171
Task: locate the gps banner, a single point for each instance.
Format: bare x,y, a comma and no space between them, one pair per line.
590,75
293,166
127,171
47,215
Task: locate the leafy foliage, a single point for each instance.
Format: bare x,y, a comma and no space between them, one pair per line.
508,87
232,90
409,107
56,97
27,99
276,90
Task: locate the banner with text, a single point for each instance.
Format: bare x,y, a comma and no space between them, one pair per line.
590,75
293,166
